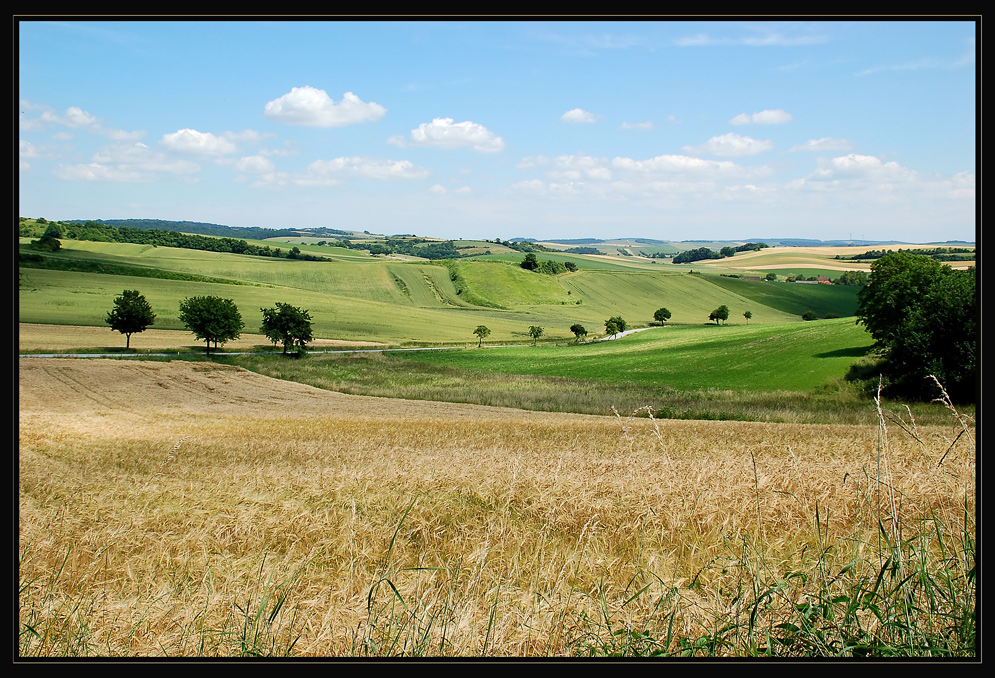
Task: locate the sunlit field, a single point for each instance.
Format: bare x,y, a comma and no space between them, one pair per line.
193,509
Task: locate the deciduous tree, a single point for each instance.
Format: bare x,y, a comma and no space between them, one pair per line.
212,319
535,332
923,317
662,315
614,325
288,325
578,330
482,331
132,313
721,313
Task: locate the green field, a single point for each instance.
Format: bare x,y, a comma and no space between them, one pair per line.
376,298
796,357
774,367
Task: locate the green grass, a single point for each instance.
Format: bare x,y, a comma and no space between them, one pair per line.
377,298
796,357
679,374
794,299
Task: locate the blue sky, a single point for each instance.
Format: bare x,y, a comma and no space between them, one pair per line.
675,130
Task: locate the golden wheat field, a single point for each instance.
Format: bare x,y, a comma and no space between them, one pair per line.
192,509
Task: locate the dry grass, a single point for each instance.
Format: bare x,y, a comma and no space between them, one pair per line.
193,509
34,337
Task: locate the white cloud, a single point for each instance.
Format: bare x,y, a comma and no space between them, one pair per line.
578,115
254,164
74,118
961,185
637,125
854,165
198,143
438,189
761,37
27,150
127,163
767,117
665,177
313,107
328,172
731,145
823,144
444,133
863,173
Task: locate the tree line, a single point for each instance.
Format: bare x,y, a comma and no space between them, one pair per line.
214,320
702,253
97,232
938,253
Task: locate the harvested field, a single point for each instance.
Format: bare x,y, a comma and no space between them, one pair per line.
172,508
35,337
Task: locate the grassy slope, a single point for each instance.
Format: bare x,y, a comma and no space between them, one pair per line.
389,300
796,357
793,298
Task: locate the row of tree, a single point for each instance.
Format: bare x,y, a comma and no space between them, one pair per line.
702,253
214,320
97,232
614,325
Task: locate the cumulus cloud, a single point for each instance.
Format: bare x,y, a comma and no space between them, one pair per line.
664,177
444,133
862,173
767,117
961,185
328,172
731,145
854,165
198,143
129,163
571,167
313,107
74,118
27,150
577,115
823,144
254,164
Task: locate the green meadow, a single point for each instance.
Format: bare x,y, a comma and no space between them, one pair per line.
796,357
772,367
384,299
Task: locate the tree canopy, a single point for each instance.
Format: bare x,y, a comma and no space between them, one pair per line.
721,313
614,325
662,315
923,317
482,331
535,332
132,313
578,330
288,325
212,319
